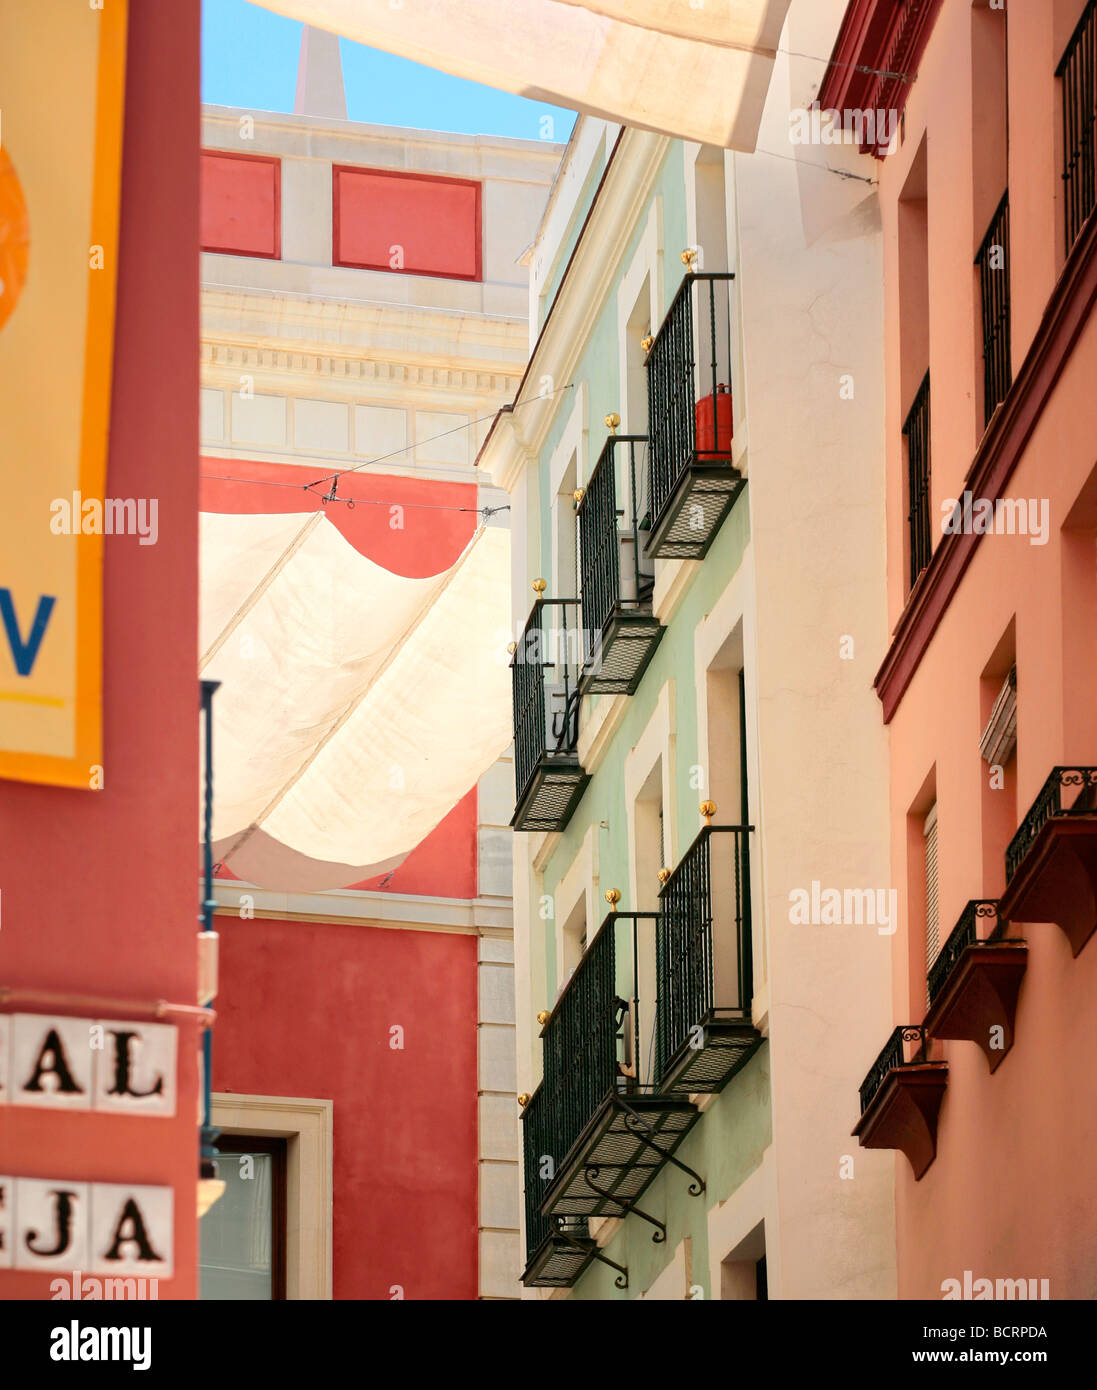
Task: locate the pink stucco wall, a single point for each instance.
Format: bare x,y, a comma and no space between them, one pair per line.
1006,1196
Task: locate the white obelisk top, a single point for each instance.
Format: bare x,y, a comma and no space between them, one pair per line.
320,76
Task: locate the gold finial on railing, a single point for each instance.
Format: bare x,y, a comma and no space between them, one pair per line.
539,587
664,874
647,341
577,495
523,1099
613,897
689,255
512,647
543,1017
708,810
612,421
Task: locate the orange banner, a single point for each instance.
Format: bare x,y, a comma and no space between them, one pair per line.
62,90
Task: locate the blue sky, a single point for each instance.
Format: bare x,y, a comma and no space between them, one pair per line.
249,59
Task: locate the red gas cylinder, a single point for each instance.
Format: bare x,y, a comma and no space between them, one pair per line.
708,444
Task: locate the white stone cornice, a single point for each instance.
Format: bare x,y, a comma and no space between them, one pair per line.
265,322
232,358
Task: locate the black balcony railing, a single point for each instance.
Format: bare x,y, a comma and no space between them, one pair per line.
581,1039
1078,72
905,1047
537,1147
617,575
545,671
992,262
557,1250
693,482
704,964
1068,791
596,1133
916,433
964,934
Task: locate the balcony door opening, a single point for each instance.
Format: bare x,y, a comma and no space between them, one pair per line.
575,936
653,850
914,359
990,237
998,752
729,856
743,1276
726,780
565,569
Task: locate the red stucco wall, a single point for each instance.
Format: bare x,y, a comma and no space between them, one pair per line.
305,1010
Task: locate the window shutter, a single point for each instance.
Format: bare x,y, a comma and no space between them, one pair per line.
929,830
999,739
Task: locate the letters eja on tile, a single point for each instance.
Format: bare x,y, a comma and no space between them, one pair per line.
97,1227
60,1063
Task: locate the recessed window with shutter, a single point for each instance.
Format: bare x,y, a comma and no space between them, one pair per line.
929,830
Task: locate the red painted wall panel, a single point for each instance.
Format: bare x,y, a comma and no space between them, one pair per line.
241,204
409,223
305,1009
76,918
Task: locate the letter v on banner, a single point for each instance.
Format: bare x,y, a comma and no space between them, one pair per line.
58,197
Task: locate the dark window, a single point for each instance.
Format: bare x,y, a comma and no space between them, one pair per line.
761,1283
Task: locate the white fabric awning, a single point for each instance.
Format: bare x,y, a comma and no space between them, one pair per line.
356,707
697,73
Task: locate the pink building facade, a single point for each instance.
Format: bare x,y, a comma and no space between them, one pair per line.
987,198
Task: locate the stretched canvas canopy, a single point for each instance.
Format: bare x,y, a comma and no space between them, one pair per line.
356,707
696,72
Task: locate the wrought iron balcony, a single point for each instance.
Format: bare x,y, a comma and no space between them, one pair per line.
964,934
916,434
545,670
557,1252
704,964
992,262
974,982
1051,862
1076,71
600,1132
619,632
901,1097
693,481
904,1048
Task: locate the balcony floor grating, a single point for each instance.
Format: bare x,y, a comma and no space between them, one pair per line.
695,510
611,1151
558,1263
627,643
551,796
728,1045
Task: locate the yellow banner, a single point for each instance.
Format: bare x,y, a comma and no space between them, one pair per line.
62,71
